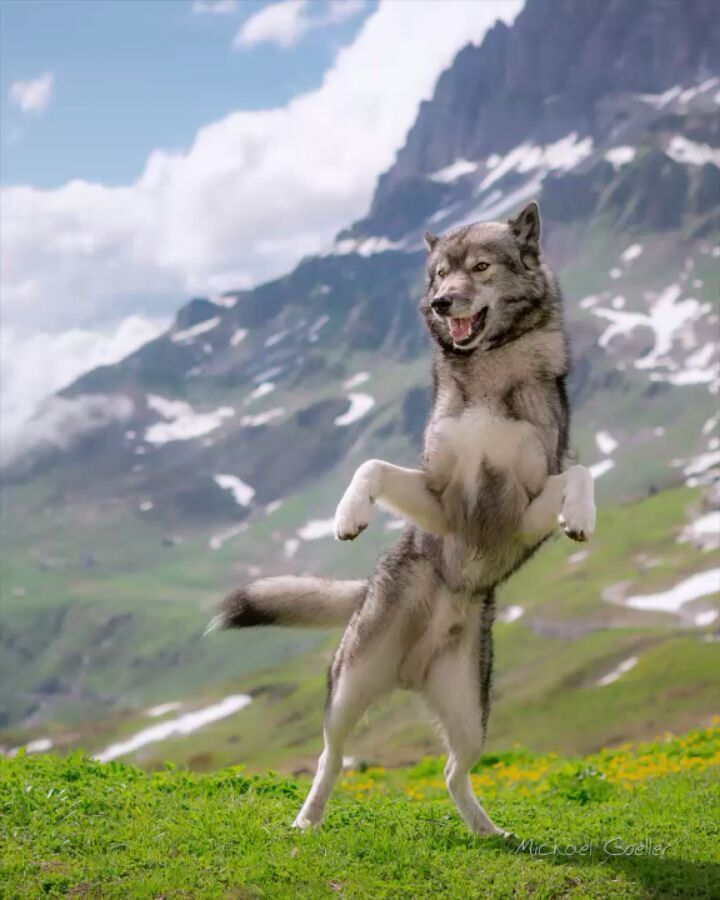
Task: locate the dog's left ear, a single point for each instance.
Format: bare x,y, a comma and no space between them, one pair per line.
525,228
430,241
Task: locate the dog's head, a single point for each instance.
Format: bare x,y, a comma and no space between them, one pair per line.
485,283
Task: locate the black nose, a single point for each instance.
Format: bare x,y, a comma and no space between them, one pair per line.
441,305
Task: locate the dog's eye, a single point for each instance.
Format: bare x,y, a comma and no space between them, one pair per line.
481,266
441,273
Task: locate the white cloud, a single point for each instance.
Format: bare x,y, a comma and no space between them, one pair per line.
279,23
61,421
35,366
254,193
33,96
285,23
215,7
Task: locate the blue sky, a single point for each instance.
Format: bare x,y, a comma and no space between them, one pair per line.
130,76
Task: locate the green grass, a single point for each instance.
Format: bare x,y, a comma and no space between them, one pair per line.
633,822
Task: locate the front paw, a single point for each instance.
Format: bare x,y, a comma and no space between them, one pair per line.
578,517
353,513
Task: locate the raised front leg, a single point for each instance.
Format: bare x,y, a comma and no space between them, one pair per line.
568,500
404,491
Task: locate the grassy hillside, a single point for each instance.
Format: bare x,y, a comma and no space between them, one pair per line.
631,822
549,660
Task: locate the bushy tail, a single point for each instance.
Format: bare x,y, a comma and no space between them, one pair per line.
285,600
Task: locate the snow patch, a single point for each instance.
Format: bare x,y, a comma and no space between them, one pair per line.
692,153
702,463
162,709
619,670
39,745
227,301
189,334
238,336
661,100
620,156
606,443
672,601
262,418
632,252
454,171
217,540
242,492
578,557
264,388
704,532
292,545
563,155
666,318
707,617
182,725
356,380
599,469
365,246
276,338
316,529
315,328
182,422
360,405
711,424
511,614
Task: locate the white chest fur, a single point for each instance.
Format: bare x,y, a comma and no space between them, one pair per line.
457,446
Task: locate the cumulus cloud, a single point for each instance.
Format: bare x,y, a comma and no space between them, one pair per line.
285,23
254,193
34,366
33,96
215,7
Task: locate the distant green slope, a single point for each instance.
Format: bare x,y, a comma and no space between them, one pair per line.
632,823
548,661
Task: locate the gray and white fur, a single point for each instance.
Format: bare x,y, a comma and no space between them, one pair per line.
494,483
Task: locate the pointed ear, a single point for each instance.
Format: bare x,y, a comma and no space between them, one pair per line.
525,228
430,241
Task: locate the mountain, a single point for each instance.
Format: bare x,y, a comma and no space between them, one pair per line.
219,450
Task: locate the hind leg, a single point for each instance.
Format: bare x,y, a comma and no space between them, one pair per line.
452,690
356,686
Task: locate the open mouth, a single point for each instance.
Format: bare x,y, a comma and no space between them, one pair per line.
462,331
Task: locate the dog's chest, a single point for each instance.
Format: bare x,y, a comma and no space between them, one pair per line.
458,445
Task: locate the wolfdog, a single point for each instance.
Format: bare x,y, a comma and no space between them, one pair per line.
495,481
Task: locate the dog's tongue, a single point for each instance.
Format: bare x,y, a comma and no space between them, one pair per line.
460,328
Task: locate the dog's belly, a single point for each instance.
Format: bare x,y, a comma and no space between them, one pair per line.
452,619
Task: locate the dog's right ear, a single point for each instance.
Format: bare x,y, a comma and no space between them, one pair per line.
430,241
